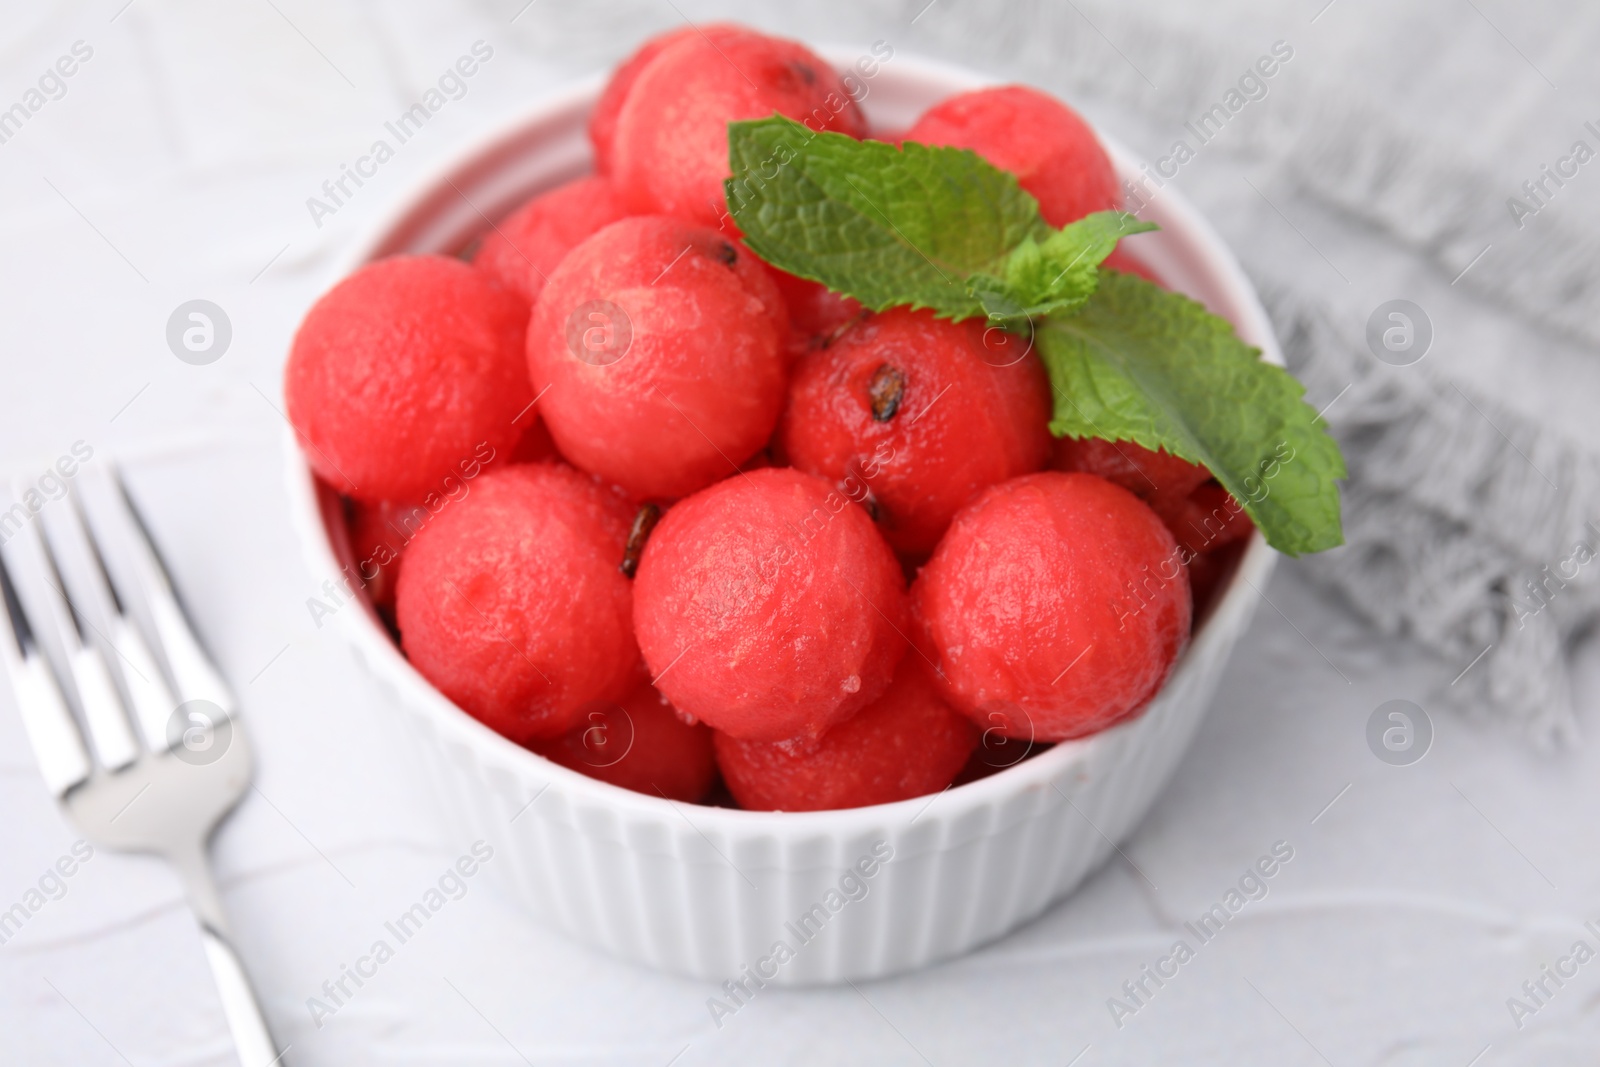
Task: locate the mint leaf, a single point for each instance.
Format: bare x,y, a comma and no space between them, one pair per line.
1056,275
889,226
928,227
1141,364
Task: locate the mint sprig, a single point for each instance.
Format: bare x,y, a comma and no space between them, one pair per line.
1055,276
942,229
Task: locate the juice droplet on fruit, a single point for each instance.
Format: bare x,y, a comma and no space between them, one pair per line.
888,385
643,523
851,684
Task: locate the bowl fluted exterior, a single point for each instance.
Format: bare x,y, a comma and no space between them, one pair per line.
712,892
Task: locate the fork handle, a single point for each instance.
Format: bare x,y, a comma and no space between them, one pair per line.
248,1025
251,1038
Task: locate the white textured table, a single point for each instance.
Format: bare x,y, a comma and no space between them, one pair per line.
176,165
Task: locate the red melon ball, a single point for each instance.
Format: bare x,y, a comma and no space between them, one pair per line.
769,607
816,314
406,373
669,154
513,604
379,534
1050,149
905,744
523,249
603,119
1137,469
657,350
641,744
1056,606
915,415
1205,519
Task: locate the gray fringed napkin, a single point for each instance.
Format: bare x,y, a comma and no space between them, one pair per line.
1453,535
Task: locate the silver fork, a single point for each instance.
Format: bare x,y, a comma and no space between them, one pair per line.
165,759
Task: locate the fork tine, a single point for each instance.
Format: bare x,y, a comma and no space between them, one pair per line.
193,675
57,746
104,715
148,697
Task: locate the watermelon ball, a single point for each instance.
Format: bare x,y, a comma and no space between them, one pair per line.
379,534
816,313
1137,469
656,347
669,154
512,603
522,250
769,607
905,744
1205,519
603,119
907,411
1056,606
404,374
1050,149
639,743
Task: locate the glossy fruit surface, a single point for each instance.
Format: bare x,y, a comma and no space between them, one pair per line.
513,604
408,373
1055,606
769,606
655,348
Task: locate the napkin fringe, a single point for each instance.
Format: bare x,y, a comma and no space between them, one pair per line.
1453,538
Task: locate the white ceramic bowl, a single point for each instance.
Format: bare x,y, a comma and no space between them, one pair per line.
710,892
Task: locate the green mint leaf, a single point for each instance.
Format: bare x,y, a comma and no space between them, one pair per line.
1138,363
1057,275
889,226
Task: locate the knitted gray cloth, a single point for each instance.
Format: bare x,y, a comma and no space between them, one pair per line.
1385,159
